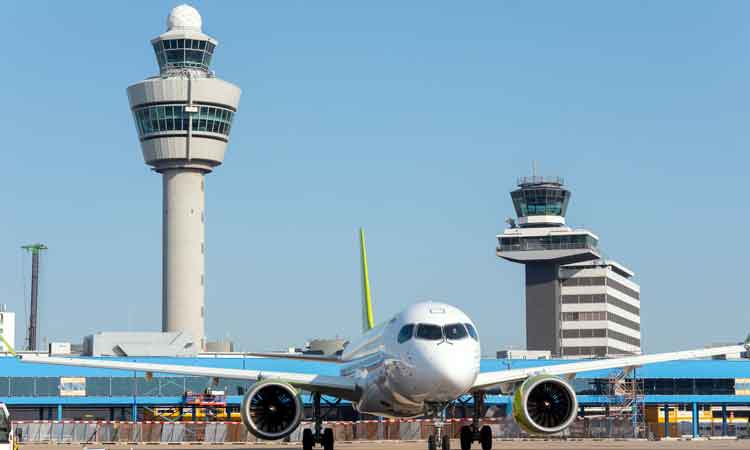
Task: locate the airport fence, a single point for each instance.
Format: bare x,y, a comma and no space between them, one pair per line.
234,432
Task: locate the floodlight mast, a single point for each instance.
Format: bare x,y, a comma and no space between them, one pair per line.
183,118
35,250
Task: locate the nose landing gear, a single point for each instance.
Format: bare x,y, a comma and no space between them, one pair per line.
438,440
472,433
321,436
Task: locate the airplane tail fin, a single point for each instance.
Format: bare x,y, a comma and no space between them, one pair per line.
368,320
8,348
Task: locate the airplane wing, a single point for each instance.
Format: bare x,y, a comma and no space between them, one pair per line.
487,380
296,356
338,386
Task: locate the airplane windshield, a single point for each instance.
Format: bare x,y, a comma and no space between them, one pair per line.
454,331
429,332
472,331
406,333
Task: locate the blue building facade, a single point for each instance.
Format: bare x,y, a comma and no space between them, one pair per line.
41,392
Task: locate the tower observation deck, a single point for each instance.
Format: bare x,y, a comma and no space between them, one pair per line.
183,117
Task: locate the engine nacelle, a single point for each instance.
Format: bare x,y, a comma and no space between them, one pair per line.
544,405
271,410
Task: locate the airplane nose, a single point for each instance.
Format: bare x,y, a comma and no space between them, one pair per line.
453,370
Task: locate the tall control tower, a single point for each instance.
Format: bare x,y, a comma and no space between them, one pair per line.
183,117
577,305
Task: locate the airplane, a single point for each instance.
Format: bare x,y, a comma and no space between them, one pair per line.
414,364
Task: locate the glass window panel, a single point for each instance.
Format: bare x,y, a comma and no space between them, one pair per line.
21,387
429,332
97,386
202,45
171,386
406,333
455,331
4,386
174,56
472,331
146,387
181,43
196,44
47,386
194,56
207,60
197,384
162,125
203,125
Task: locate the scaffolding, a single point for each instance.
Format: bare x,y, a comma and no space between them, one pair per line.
626,397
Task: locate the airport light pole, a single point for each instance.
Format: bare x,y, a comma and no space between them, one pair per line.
35,250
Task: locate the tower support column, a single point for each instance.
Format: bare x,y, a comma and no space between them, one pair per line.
183,252
543,307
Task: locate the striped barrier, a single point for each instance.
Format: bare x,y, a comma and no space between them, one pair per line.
76,431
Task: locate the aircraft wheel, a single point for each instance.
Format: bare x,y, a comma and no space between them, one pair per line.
307,439
446,442
485,437
328,439
466,437
431,443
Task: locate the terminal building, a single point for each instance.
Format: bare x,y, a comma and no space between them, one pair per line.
714,392
578,304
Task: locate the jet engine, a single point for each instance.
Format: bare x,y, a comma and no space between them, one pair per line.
271,410
544,405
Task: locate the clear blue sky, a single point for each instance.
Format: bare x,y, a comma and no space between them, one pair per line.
410,118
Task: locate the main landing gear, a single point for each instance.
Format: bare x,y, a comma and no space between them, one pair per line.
472,433
321,436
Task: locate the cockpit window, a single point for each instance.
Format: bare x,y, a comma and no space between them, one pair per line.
472,331
429,332
454,331
407,331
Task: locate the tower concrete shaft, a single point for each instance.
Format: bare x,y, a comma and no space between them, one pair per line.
183,274
183,118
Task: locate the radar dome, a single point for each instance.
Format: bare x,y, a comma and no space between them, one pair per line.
184,17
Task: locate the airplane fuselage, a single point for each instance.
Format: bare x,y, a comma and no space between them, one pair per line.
428,353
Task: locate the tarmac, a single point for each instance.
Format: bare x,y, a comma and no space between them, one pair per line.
732,444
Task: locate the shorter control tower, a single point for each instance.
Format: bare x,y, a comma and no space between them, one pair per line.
183,117
577,305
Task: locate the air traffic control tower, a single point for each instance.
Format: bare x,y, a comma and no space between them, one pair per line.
577,304
183,117
542,242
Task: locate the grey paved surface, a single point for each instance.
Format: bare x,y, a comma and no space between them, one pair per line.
498,445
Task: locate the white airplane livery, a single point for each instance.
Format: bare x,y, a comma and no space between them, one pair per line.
414,364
